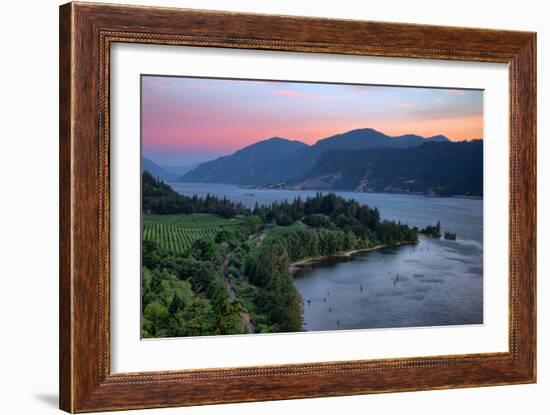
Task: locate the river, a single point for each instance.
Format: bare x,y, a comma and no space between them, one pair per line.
433,283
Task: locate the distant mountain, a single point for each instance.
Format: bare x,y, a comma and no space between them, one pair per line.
253,165
364,138
277,160
179,170
370,138
157,171
436,167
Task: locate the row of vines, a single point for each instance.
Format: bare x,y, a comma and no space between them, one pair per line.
178,233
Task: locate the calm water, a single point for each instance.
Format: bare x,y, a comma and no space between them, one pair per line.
435,282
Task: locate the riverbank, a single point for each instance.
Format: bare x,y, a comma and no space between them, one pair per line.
426,195
310,262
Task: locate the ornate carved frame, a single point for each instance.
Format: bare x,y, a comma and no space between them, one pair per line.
86,33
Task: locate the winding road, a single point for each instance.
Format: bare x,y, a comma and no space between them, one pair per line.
245,316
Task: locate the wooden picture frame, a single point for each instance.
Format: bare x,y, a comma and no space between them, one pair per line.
86,33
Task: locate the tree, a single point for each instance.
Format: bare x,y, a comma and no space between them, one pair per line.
374,219
284,220
156,282
176,305
350,240
228,320
316,220
432,231
157,314
227,236
199,318
204,249
282,302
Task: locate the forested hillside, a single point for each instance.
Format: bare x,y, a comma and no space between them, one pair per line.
255,164
439,169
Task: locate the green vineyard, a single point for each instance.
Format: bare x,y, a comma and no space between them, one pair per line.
177,233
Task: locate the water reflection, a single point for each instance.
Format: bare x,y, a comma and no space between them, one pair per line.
436,282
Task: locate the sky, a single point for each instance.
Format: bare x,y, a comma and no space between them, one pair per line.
190,120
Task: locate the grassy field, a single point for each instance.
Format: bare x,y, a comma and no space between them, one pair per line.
178,232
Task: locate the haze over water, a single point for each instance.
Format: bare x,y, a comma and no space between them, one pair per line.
435,282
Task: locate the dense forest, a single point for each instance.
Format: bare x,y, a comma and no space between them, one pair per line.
433,168
157,197
239,281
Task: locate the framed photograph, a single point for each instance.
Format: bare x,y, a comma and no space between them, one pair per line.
258,207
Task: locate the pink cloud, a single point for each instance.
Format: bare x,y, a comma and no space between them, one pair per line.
205,87
287,93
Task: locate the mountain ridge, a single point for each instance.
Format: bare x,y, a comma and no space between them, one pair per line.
157,170
281,163
246,165
292,159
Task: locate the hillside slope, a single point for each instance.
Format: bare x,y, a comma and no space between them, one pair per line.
434,168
